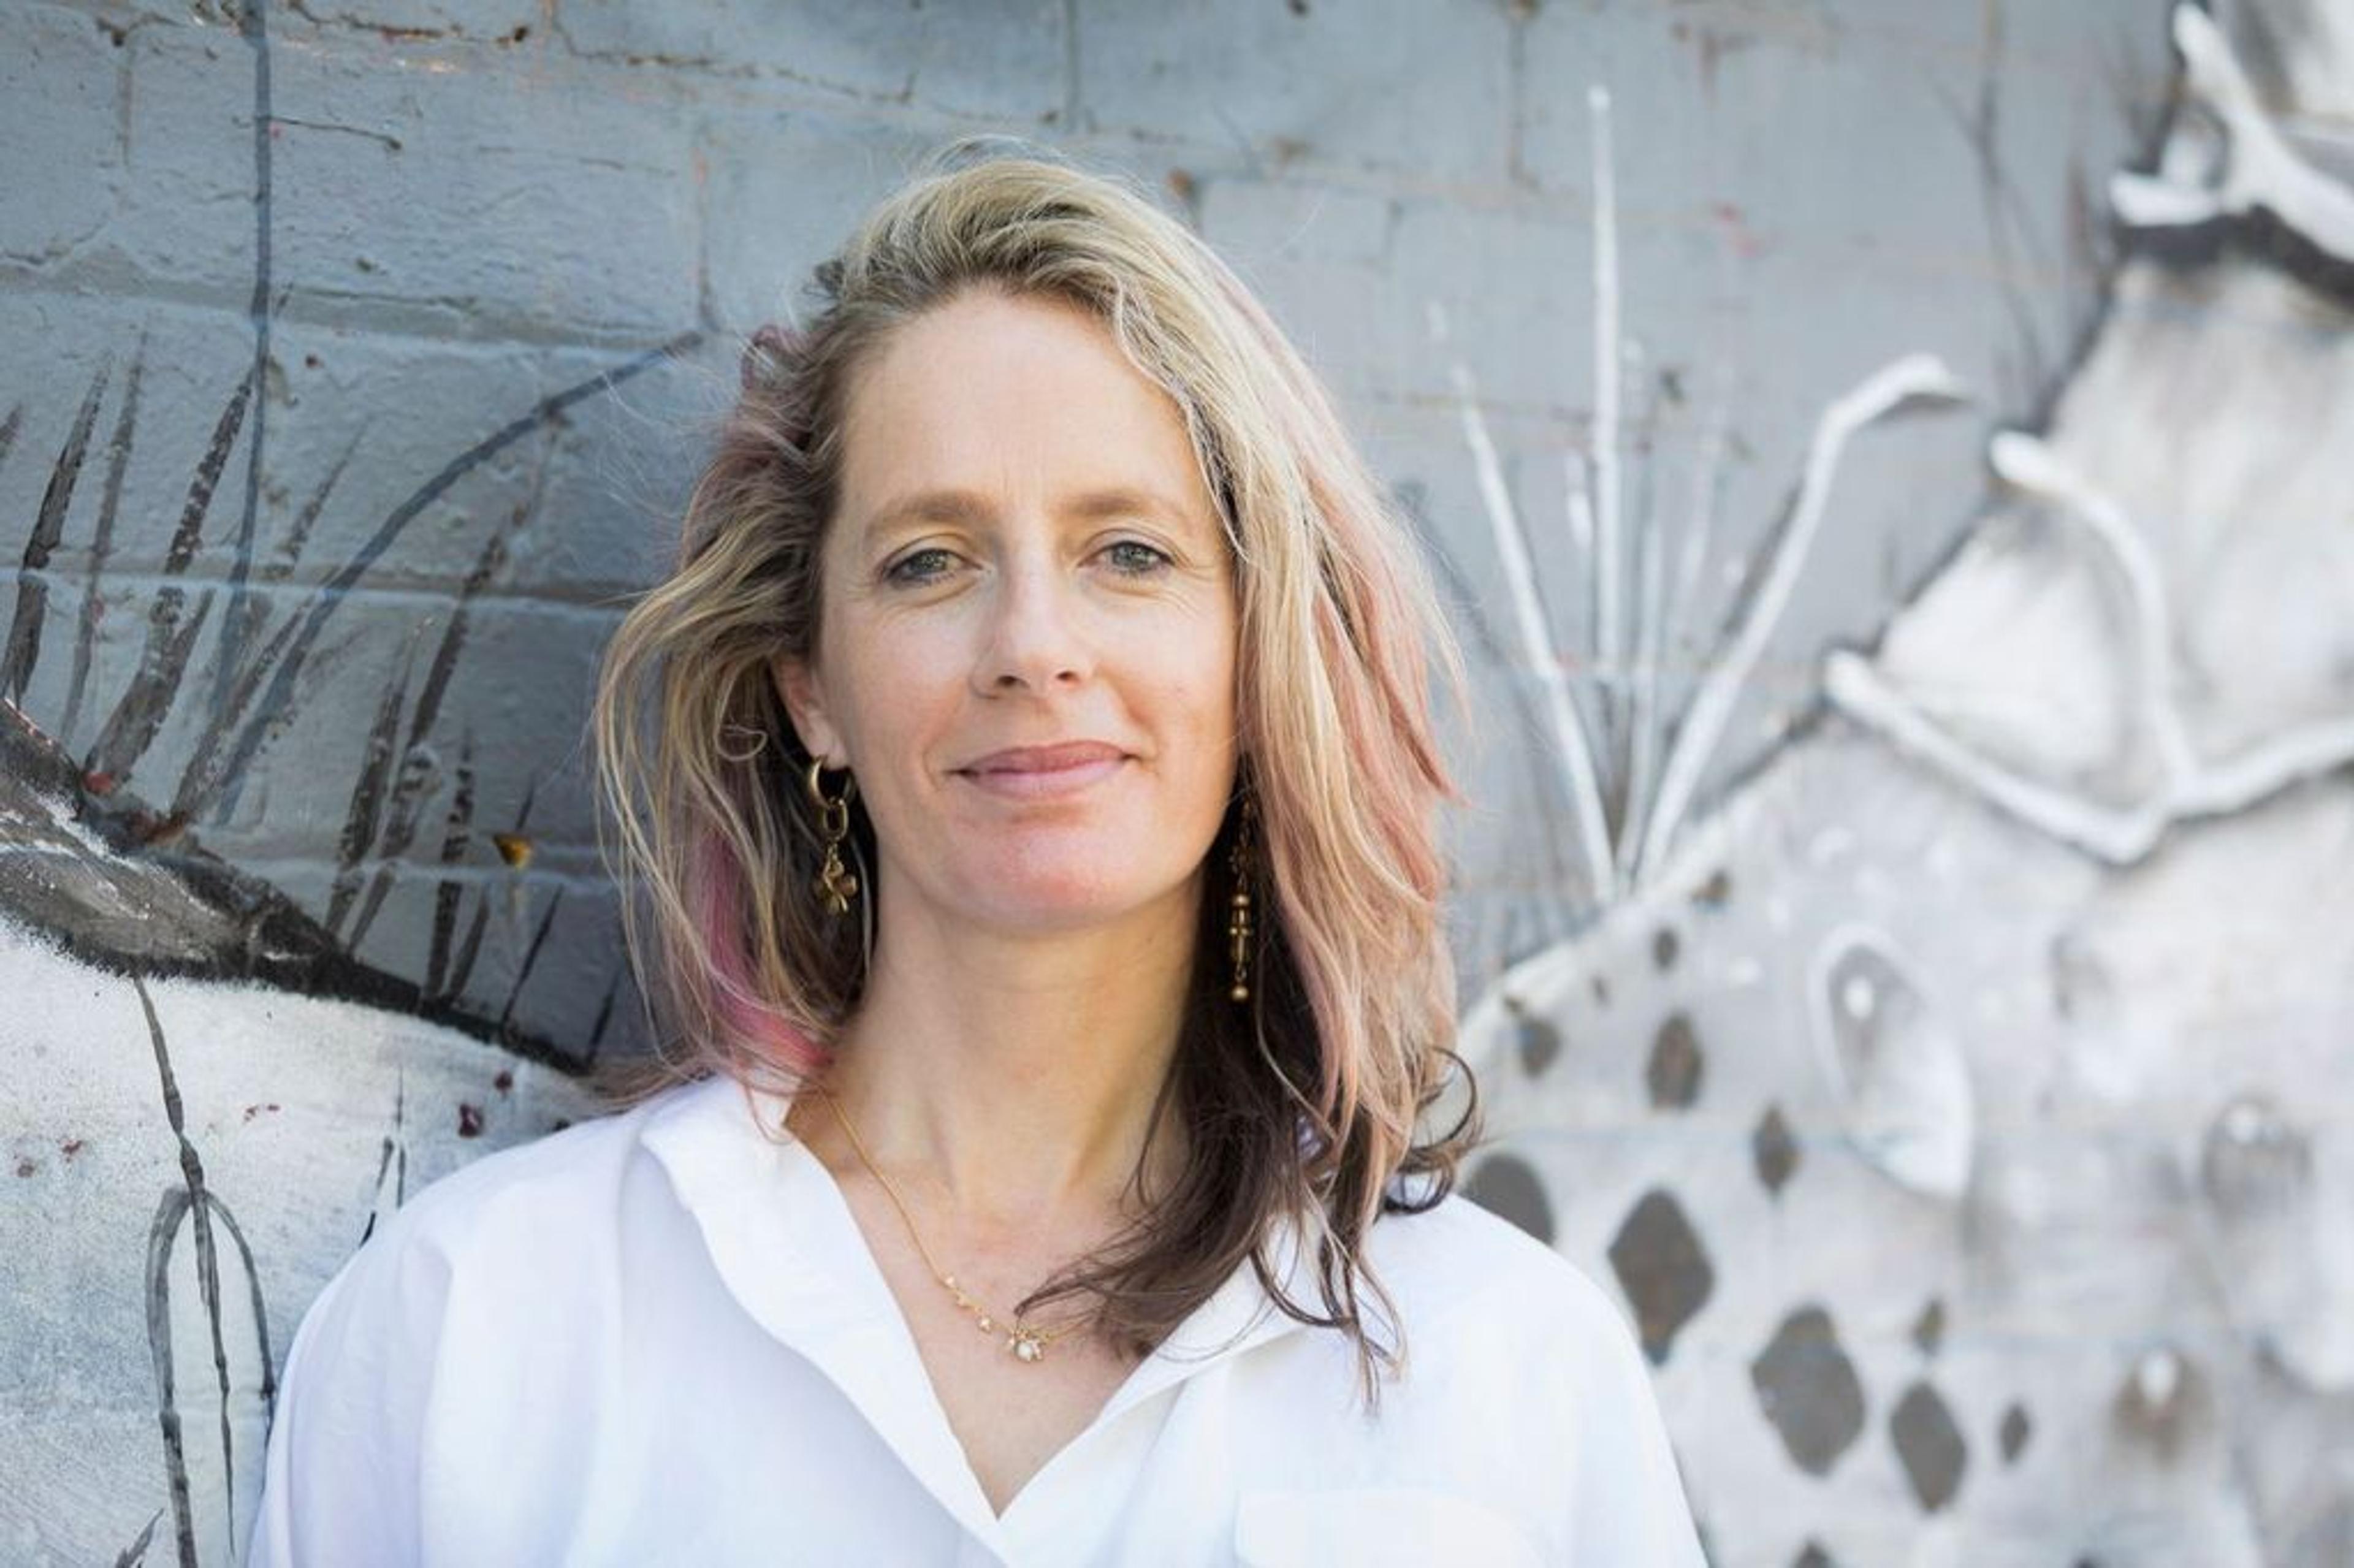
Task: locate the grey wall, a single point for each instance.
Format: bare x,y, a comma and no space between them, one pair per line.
1976,1183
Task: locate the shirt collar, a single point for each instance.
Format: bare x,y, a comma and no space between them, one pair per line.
785,1246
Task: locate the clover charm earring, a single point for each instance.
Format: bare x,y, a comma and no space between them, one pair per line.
835,885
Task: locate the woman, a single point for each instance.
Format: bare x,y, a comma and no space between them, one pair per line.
1029,774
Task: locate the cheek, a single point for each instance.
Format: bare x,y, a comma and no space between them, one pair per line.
1204,651
1208,730
891,684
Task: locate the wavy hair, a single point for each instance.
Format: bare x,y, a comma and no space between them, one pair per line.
1307,1106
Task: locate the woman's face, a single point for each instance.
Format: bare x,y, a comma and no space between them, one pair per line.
1027,645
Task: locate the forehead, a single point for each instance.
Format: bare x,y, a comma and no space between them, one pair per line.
1023,398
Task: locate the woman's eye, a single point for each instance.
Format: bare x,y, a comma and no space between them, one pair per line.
921,567
1135,558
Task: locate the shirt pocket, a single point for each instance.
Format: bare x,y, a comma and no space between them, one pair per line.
1374,1527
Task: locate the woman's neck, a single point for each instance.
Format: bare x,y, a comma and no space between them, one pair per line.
1013,1080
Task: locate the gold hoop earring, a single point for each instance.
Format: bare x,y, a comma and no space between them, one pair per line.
1238,906
835,886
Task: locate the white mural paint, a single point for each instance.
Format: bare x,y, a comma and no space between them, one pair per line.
1568,730
190,1162
1960,1104
2188,786
2259,169
1651,819
1609,364
1916,377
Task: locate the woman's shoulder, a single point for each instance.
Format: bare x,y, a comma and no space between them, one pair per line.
485,1288
556,1190
503,1234
1525,1367
1456,1264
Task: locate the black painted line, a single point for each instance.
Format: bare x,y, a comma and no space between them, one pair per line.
136,1553
101,544
382,1168
191,1171
190,532
456,834
24,642
462,970
56,499
419,772
290,548
365,811
169,1212
243,610
176,1206
241,623
259,1307
131,728
418,769
330,595
605,1011
530,798
204,761
486,567
530,957
400,1125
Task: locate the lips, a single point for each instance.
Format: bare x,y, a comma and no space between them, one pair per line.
1043,772
1060,758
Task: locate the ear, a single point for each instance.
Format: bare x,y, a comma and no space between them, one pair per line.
803,695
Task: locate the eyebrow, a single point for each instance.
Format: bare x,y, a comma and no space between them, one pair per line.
963,506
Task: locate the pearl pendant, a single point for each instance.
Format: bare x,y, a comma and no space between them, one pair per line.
1024,1347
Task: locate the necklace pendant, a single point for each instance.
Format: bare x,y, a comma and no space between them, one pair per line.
1026,1345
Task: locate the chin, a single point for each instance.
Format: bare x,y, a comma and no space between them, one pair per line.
1043,899
1045,910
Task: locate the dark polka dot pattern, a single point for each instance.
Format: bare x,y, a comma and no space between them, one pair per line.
1929,1445
1676,1066
1663,1270
1508,1187
1810,1391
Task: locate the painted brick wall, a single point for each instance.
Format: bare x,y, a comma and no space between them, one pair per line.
493,262
471,208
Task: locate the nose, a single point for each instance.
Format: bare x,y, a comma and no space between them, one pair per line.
1036,638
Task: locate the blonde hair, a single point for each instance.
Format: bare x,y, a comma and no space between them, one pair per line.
1307,1102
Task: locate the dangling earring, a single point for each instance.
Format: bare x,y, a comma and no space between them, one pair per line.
835,886
1238,907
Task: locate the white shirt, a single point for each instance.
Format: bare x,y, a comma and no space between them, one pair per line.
661,1337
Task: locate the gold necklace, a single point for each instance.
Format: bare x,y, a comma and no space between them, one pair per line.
1026,1343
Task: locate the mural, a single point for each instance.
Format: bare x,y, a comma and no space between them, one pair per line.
1947,1080
221,1072
1997,1207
